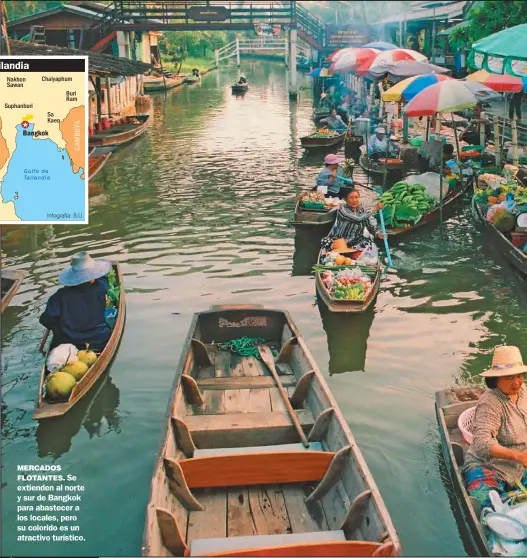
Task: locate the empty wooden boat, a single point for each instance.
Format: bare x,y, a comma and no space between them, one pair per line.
321,219
450,403
246,470
358,305
97,159
132,128
45,409
317,140
10,280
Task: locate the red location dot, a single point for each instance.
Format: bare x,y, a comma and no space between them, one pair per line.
25,124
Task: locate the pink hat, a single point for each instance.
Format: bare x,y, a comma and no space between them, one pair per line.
333,159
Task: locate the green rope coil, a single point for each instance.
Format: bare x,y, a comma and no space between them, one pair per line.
244,346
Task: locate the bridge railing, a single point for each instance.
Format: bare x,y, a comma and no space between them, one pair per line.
310,24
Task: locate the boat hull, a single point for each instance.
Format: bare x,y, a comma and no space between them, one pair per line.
121,134
11,281
311,219
96,162
160,85
310,142
375,168
45,409
239,88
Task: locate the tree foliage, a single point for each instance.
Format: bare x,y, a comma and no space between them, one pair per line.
492,16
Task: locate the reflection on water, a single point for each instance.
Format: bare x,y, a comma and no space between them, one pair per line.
197,212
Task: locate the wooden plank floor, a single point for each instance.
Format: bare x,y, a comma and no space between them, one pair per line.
255,510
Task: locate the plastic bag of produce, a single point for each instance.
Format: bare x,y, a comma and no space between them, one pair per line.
431,182
369,257
60,356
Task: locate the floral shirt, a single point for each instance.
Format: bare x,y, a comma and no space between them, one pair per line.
499,420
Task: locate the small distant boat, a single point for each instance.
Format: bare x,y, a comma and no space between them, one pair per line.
450,403
256,457
151,84
191,79
394,166
45,409
97,158
344,305
321,219
132,128
10,280
315,139
239,87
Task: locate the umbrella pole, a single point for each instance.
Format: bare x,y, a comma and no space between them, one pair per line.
441,188
457,148
497,140
514,133
427,128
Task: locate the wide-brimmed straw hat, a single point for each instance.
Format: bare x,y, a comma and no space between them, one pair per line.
83,268
506,361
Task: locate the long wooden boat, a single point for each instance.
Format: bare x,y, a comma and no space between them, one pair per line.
432,218
394,168
239,88
516,257
122,133
10,281
331,140
158,84
322,219
342,305
45,409
450,403
231,478
97,159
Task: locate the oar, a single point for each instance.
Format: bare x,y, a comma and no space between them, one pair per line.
43,341
345,179
385,237
267,357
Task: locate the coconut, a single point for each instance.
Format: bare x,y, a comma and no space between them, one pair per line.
59,386
77,369
87,356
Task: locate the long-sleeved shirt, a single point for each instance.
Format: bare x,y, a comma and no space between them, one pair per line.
499,420
76,315
377,146
323,180
334,123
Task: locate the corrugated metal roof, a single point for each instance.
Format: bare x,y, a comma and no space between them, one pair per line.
448,10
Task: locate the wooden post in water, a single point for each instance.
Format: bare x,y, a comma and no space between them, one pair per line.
108,96
497,140
514,133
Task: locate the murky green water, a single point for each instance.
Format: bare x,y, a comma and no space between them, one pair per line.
197,213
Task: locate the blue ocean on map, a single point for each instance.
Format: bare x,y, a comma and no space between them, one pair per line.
61,198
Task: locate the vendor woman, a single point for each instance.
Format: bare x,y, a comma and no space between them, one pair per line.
497,456
350,223
332,176
75,313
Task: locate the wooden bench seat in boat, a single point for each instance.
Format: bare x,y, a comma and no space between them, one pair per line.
313,446
202,547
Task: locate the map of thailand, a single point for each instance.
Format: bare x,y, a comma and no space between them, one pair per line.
43,140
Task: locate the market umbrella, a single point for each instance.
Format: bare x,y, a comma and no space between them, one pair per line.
504,52
408,88
408,68
445,96
334,55
320,72
483,92
380,45
353,58
388,57
503,83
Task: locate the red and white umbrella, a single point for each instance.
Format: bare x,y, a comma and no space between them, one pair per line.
352,58
446,96
389,57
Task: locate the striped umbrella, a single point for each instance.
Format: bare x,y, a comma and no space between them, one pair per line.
503,83
408,88
389,57
381,45
447,95
353,58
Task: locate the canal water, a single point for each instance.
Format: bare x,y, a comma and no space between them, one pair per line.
197,212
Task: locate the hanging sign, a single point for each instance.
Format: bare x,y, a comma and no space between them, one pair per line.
342,36
266,30
208,13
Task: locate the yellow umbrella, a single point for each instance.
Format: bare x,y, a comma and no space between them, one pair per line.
408,88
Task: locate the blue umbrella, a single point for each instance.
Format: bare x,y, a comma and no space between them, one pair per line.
380,45
320,72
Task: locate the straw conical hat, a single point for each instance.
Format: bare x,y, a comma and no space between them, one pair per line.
506,361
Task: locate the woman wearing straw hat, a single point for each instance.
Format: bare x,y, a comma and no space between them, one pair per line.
75,313
497,456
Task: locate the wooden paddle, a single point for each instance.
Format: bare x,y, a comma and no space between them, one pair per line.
346,179
268,359
43,340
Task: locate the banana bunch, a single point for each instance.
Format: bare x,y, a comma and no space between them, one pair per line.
408,195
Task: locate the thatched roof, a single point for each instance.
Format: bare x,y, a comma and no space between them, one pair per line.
99,64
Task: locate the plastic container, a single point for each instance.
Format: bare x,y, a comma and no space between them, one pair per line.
465,423
518,239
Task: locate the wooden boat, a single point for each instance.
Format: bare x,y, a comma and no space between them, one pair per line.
97,159
239,87
450,403
231,479
516,257
310,141
432,217
158,84
122,133
322,219
191,79
45,409
10,280
394,168
342,305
